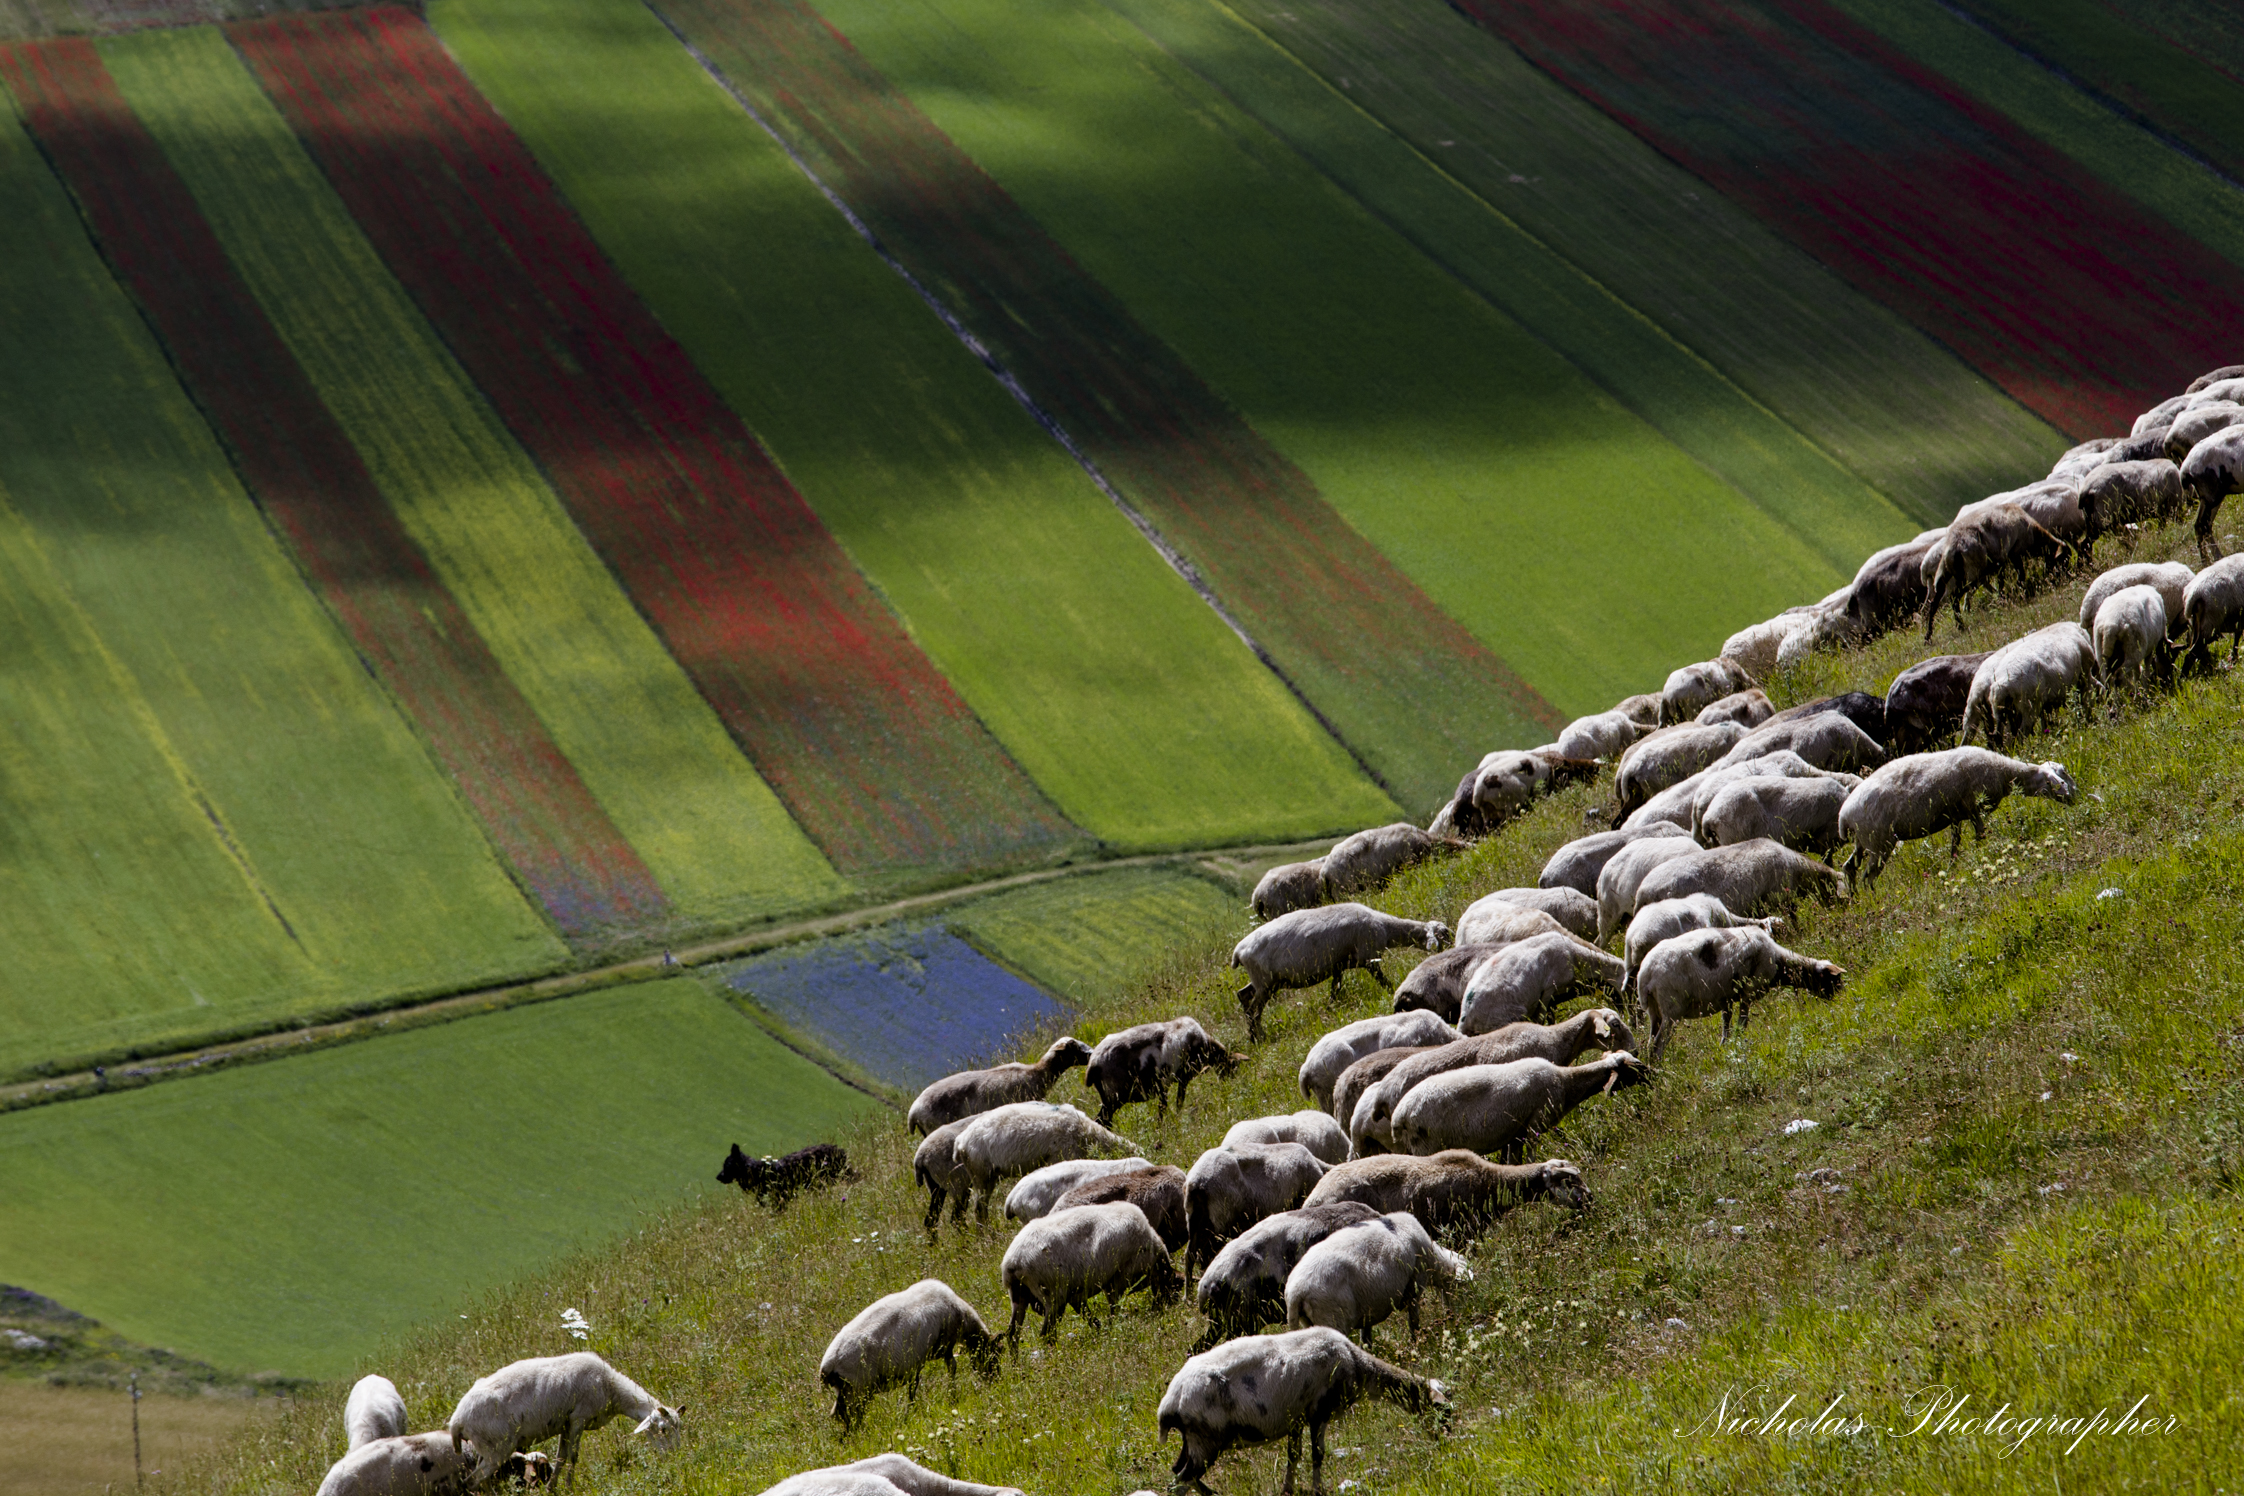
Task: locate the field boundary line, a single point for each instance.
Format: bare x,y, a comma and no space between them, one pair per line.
1011,384
282,1043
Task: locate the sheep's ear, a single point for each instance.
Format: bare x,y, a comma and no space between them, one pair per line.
1604,1029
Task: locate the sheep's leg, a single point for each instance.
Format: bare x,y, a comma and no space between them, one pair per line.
982,1202
1379,973
1020,1312
935,1195
1955,840
1182,1082
567,1454
1410,1311
950,1359
1745,1013
1050,1329
911,1388
1316,1458
1161,1098
1293,1460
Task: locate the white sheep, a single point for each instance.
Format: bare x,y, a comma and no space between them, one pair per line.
2019,683
1527,980
2079,461
1802,814
936,1169
1336,1051
2129,635
1747,877
1450,1190
2119,494
1603,735
1502,1108
1244,1287
1627,870
1067,1257
1315,1131
1310,946
2171,578
1693,687
1667,757
1040,1189
881,1475
1369,858
1680,803
530,1401
970,1092
1506,782
1436,985
1825,740
1576,910
1228,1189
1748,709
1370,1125
1495,920
2197,423
1300,1379
2213,605
1289,886
374,1411
1577,864
430,1464
1927,793
893,1338
1358,1276
2212,471
1709,971
1669,918
1012,1140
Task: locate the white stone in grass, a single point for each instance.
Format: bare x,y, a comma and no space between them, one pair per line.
1799,1125
2109,893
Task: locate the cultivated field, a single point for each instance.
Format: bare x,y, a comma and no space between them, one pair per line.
1086,938
2007,1029
289,1216
63,1441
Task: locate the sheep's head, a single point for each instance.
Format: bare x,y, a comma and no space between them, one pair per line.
532,1469
1611,1032
1437,934
988,1353
1624,1070
1822,978
663,1428
1559,1182
1068,1053
2051,782
1437,1399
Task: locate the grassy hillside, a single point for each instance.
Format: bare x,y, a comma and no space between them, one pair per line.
2029,1100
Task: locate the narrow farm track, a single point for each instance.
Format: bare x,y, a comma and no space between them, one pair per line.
866,743
1356,635
1918,195
300,466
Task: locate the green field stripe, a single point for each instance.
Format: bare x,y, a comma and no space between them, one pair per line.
1485,466
2178,92
2119,153
2213,29
1087,939
308,771
116,893
1125,698
652,752
1886,400
1681,395
291,1216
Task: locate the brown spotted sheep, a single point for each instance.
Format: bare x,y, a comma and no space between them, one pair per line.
1311,946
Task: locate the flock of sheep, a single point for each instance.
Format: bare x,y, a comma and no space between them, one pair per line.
1726,813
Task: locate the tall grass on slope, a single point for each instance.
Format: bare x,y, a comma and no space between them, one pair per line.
2006,1031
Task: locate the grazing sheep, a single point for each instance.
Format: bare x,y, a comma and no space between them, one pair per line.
1500,921
1336,1051
2224,372
775,1181
1315,1131
2130,636
1604,735
1041,1190
1707,971
1827,625
1370,1126
1358,1276
2020,683
2080,460
2231,388
1454,1188
1141,1061
1359,1080
1305,1378
881,1475
1505,784
1644,708
892,1339
1753,648
1575,910
1436,985
1864,710
1244,1287
375,1411
936,1169
1025,1135
1748,878
1369,858
420,1465
2126,493
970,1092
1827,740
2171,578
1927,793
2212,471
1748,709
1617,885
1669,756
1889,587
2151,443
1528,979
1925,703
530,1401
1290,886
1694,687
1158,1191
2197,423
2056,508
1502,1108
1229,1189
1979,548
1061,1261
1577,864
1310,946
1672,917
2162,414
2213,605
1802,814
1680,804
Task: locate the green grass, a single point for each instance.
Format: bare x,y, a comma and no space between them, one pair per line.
1481,463
1086,938
1969,986
1883,398
219,814
2120,154
1125,698
1633,358
650,749
287,1217
2211,28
